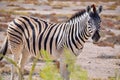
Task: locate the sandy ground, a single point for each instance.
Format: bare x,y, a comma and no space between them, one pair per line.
101,62
98,61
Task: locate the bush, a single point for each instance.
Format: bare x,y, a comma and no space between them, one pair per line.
50,71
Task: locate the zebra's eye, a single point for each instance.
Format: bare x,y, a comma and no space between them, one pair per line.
90,22
99,23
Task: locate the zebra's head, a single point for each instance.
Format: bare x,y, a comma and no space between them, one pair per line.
94,21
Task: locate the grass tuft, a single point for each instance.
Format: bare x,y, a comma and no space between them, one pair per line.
33,67
50,71
77,73
15,64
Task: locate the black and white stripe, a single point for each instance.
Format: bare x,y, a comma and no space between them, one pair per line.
35,34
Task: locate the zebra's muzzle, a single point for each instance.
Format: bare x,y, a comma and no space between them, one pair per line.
96,36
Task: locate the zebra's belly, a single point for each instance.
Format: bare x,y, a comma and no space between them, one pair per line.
46,51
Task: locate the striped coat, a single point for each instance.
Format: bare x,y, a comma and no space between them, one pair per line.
27,36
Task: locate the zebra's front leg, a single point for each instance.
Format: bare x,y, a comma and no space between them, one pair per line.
64,70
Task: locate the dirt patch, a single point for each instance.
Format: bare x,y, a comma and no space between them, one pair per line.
2,64
5,69
111,23
105,43
104,56
113,40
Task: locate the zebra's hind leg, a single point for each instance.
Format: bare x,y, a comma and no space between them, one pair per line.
15,69
64,70
12,70
21,59
25,58
17,55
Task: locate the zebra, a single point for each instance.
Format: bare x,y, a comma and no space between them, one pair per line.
26,36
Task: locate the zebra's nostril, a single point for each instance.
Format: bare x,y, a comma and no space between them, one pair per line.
89,22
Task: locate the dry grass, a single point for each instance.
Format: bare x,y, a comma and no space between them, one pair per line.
109,33
13,5
112,7
2,64
105,43
5,69
114,39
9,0
116,17
111,21
110,41
59,5
118,57
21,8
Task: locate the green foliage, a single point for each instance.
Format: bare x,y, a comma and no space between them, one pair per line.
33,67
11,61
46,56
112,78
117,75
77,73
69,59
1,78
50,71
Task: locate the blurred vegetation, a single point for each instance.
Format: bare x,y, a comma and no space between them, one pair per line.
33,66
1,77
50,70
15,65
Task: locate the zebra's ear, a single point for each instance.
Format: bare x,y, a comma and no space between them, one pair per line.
88,9
99,9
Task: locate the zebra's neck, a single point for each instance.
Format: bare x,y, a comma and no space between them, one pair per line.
78,33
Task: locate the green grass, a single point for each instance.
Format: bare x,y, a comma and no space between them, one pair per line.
77,73
33,67
1,77
50,71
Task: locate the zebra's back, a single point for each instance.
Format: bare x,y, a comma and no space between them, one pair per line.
34,35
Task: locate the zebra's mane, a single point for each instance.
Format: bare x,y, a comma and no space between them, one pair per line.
78,14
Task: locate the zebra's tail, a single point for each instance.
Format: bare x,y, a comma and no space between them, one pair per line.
3,49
